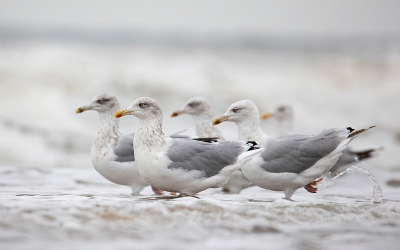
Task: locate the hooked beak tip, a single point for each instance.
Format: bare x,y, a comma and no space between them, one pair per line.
220,119
215,122
176,113
121,113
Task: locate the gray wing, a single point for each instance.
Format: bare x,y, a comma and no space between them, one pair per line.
124,149
296,153
209,158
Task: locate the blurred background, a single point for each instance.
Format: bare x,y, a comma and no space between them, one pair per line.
336,63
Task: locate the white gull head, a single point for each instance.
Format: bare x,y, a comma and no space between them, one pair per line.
283,115
144,108
101,103
283,112
245,115
200,109
149,132
196,106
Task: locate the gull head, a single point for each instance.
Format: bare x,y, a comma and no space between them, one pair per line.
142,108
239,112
196,106
101,103
283,112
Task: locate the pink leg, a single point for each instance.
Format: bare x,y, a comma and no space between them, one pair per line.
157,191
310,188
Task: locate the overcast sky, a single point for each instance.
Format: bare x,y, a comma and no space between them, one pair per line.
338,17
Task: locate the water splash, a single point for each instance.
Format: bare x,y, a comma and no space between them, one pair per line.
377,196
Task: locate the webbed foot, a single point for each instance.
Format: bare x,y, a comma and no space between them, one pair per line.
310,188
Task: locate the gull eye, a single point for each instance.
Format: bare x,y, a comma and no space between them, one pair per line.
100,101
235,110
193,104
142,104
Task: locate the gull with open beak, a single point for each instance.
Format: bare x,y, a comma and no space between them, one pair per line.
288,162
112,152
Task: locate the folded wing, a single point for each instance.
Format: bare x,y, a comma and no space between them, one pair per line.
208,158
296,153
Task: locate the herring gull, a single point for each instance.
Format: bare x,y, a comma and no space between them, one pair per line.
200,109
112,152
180,165
283,115
288,162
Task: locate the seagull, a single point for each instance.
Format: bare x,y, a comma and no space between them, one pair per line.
200,109
283,114
288,162
181,165
112,152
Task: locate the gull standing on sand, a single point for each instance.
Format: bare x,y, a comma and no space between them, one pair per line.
288,162
112,152
200,109
180,165
283,115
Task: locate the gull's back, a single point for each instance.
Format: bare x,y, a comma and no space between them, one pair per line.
209,158
296,153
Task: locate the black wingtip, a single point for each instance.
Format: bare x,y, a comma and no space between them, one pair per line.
253,145
209,140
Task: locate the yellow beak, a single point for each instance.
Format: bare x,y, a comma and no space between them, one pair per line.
220,119
176,113
122,113
82,109
266,115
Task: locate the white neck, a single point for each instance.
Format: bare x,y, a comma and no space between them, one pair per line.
250,130
204,128
149,134
284,126
107,133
